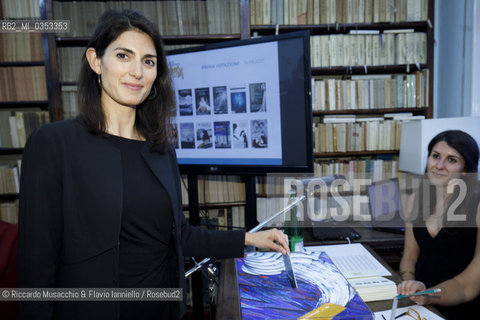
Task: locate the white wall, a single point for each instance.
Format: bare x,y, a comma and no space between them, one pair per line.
416,135
476,60
453,58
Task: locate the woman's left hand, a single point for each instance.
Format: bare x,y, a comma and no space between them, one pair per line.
269,239
410,287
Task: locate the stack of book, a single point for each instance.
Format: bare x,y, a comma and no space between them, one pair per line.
264,12
371,92
186,17
16,126
375,49
20,46
374,289
347,133
365,273
354,170
9,179
23,84
9,211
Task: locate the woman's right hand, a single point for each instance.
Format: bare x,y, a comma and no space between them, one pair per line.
410,287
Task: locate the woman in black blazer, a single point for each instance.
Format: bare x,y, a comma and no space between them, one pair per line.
100,198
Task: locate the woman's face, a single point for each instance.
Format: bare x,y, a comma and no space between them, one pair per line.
128,69
444,163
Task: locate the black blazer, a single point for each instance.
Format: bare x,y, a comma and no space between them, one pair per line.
70,218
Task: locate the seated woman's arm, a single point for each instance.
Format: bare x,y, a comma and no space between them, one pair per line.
410,255
411,249
462,288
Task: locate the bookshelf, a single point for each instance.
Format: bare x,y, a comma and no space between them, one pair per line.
9,196
181,23
388,23
323,22
10,151
353,153
24,104
23,98
415,111
216,21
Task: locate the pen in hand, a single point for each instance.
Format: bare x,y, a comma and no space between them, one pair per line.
419,293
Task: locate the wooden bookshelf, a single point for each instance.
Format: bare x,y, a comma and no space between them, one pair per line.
339,28
317,155
43,105
218,205
247,29
10,151
9,197
345,72
22,64
329,194
364,70
191,39
22,61
415,111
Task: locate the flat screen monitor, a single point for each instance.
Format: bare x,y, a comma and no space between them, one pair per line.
244,106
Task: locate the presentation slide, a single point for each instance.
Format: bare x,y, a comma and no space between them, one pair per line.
228,105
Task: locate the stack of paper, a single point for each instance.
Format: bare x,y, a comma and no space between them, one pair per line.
362,270
374,288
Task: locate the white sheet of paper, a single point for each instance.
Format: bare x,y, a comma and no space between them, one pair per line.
353,260
424,313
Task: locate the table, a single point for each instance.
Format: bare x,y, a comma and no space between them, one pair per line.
228,306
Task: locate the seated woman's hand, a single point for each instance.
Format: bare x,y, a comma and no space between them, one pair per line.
269,239
410,287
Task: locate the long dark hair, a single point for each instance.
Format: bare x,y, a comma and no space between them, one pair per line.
464,144
152,115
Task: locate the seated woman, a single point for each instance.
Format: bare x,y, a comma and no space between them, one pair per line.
440,252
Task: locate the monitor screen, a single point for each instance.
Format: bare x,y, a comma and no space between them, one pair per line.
244,106
384,201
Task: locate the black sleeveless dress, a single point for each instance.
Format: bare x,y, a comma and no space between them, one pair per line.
442,258
146,243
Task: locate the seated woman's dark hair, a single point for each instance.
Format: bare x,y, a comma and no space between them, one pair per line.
154,114
464,144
